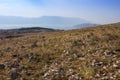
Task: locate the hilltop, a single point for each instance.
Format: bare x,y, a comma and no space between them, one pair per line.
81,54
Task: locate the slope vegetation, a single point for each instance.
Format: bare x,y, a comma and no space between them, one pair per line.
82,54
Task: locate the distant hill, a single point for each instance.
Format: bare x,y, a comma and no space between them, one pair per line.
13,33
85,25
55,22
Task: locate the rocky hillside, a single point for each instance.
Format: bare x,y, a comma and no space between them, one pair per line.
81,54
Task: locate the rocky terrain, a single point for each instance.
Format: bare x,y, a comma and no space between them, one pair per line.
80,54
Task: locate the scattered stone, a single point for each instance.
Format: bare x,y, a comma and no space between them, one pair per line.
114,65
99,64
15,64
109,53
15,55
21,67
46,74
14,75
2,66
22,46
97,75
27,73
32,57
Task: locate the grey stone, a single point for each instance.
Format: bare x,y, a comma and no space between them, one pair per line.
14,75
2,66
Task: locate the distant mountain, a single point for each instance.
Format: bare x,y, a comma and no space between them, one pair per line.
85,25
55,22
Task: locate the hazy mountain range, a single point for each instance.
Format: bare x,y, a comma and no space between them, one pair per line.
85,25
55,22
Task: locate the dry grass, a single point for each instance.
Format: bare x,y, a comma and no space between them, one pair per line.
81,54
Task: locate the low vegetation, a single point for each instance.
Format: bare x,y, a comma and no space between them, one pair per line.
81,54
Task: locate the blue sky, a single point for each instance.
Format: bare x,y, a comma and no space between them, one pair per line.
98,11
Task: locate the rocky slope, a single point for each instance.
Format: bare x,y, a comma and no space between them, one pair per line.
81,54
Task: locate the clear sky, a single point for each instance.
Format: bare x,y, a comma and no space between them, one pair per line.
98,11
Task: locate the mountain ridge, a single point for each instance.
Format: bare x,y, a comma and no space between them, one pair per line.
86,25
56,22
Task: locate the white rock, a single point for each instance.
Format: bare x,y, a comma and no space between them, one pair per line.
114,65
